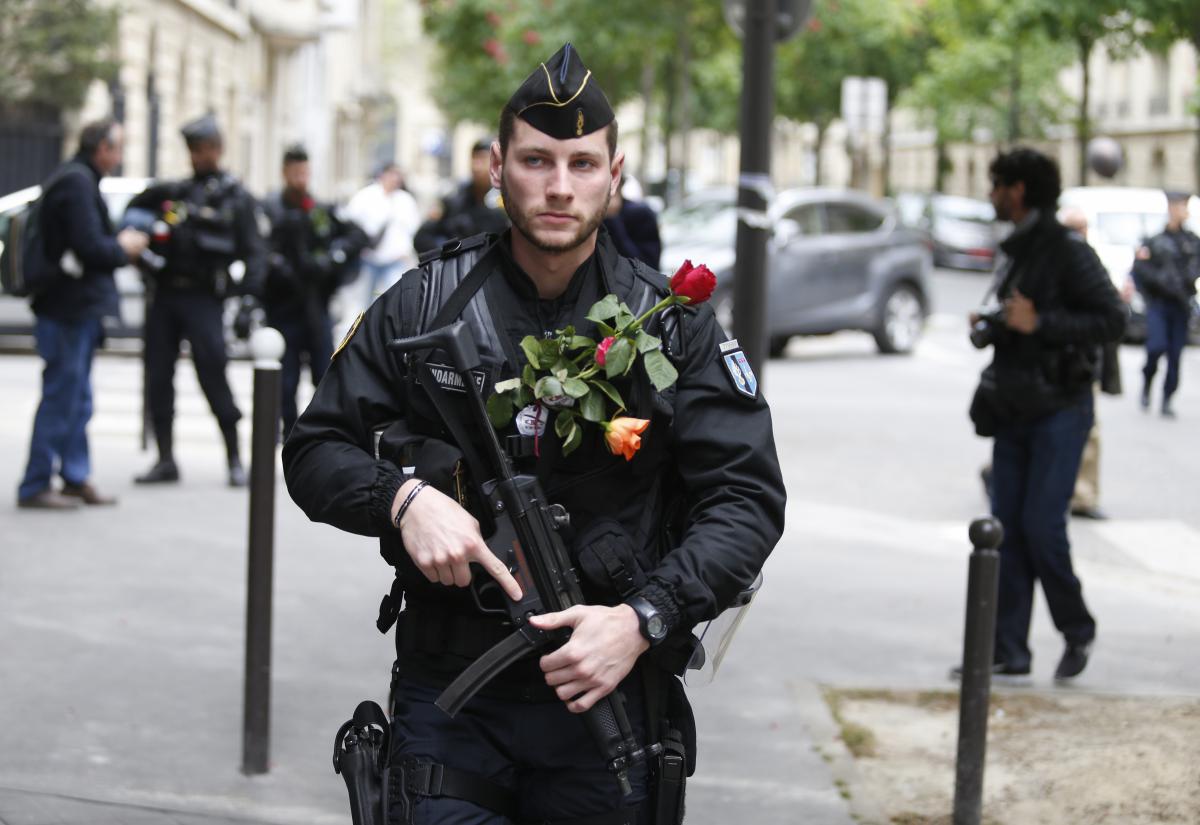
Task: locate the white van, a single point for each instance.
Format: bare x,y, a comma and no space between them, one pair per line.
1120,219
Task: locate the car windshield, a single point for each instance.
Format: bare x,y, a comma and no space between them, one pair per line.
1127,228
710,218
965,209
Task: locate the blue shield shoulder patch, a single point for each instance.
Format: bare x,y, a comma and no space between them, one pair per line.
738,367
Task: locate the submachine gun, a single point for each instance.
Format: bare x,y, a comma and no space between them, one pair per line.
525,537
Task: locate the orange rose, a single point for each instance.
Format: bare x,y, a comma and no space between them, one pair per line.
624,435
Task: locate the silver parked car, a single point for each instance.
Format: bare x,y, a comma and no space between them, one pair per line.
838,260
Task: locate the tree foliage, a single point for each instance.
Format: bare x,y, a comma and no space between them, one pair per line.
51,51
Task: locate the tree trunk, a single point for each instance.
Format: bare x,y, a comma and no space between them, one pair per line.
941,161
1014,91
887,147
670,105
1083,126
821,127
683,79
647,98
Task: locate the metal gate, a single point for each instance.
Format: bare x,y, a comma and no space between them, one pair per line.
31,144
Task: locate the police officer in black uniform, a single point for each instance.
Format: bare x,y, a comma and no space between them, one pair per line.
472,209
1165,272
206,222
313,253
665,540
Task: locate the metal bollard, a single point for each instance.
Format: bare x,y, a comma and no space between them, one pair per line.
978,642
267,346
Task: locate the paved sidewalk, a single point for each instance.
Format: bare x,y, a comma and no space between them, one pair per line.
121,634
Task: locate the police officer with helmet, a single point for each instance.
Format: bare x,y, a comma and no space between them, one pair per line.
665,539
202,225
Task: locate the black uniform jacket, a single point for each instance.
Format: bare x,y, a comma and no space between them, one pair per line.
1078,310
313,252
707,460
75,218
1170,273
222,227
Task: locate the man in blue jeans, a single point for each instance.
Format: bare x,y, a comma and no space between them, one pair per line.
84,250
1058,307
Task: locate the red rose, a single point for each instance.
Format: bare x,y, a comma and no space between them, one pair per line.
307,203
602,349
696,283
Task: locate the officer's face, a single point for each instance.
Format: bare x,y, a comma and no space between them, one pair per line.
556,192
1177,212
205,156
296,175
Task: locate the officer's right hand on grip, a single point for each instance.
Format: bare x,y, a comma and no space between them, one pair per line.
443,540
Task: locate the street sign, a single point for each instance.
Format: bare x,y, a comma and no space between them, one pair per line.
790,15
864,105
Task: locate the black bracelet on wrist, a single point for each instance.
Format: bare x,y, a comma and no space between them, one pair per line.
408,499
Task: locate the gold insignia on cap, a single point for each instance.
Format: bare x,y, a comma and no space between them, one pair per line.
578,122
349,334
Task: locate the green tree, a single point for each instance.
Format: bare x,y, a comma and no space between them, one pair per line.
1167,22
51,51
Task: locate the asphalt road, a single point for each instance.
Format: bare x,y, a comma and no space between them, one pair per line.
121,630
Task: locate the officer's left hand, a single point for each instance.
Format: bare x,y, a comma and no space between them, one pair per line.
1020,314
605,643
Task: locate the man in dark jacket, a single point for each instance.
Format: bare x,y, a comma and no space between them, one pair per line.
82,246
676,527
1165,272
634,229
472,209
209,221
1058,308
313,252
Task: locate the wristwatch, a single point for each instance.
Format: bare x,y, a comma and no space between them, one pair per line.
650,622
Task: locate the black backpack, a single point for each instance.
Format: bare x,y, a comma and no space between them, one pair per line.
25,267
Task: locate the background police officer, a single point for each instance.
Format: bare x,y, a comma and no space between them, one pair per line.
1165,272
470,210
665,540
313,252
206,222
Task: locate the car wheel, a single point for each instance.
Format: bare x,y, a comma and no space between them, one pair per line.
777,345
900,321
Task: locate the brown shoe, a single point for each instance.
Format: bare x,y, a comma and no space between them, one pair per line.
48,500
88,494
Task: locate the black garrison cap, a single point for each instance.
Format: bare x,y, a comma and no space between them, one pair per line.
201,129
1175,196
561,98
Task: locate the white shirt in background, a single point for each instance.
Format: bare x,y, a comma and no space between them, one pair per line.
396,215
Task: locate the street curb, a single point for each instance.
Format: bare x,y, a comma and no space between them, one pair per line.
827,742
95,806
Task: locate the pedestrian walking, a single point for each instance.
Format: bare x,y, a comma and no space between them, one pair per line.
1165,272
634,228
388,213
208,221
1058,307
82,248
1085,501
472,209
314,251
677,500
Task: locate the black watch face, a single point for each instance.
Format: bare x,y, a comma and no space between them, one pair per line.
655,627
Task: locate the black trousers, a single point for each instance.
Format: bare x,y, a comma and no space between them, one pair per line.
540,751
306,340
175,315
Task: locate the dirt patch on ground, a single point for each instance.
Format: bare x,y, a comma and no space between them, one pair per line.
1051,760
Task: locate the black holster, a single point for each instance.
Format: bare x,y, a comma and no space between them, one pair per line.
672,781
360,754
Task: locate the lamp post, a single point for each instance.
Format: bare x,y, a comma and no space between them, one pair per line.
760,23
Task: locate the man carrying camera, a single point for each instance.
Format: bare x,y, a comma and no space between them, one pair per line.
1057,308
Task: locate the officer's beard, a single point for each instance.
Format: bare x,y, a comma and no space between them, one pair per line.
521,221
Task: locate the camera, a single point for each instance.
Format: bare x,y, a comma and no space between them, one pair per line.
983,331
